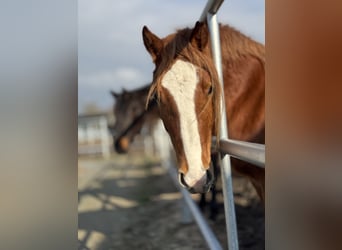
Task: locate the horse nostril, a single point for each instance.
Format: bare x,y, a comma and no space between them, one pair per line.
182,181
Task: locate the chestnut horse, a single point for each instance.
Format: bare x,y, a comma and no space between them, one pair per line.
131,115
187,90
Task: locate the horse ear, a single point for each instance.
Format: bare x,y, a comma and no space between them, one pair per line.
114,94
199,36
152,43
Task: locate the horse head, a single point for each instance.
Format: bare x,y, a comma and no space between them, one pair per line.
131,115
127,109
186,88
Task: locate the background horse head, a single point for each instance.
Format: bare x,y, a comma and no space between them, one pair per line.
130,116
186,87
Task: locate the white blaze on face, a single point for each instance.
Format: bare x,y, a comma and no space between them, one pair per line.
181,81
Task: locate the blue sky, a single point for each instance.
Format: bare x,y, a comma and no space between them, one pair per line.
111,54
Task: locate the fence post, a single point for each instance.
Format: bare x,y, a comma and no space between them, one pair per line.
229,206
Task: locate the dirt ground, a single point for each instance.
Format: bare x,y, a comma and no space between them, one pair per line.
130,202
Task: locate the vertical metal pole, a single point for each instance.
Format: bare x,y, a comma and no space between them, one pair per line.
229,207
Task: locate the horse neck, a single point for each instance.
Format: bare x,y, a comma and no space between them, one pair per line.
134,128
244,89
148,117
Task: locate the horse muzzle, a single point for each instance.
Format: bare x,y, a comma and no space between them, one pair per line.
121,145
203,185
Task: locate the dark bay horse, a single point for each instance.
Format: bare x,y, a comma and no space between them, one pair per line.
186,88
130,115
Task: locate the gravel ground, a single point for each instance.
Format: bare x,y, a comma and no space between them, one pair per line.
130,202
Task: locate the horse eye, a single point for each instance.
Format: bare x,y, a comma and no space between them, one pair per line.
210,90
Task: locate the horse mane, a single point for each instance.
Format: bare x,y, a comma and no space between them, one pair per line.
234,45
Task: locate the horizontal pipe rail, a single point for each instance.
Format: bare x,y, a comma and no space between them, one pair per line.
251,152
206,231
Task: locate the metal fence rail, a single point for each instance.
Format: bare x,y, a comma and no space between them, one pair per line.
253,153
211,7
209,13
